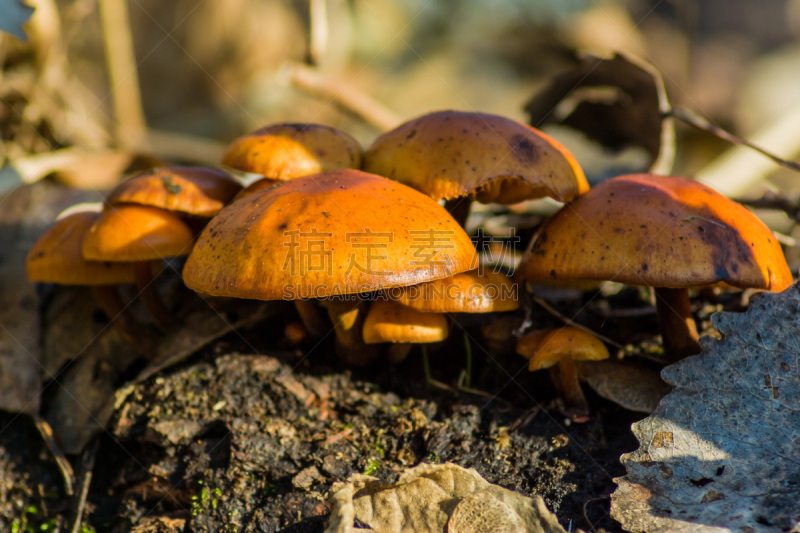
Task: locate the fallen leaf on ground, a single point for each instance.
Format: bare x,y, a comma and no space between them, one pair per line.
430,498
722,451
25,213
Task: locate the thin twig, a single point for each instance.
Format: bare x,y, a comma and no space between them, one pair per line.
351,100
574,324
693,119
122,73
317,31
87,468
61,460
775,202
172,145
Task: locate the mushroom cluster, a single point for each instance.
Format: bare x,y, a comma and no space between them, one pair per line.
371,245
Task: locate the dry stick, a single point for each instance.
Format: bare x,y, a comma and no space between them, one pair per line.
87,467
349,99
317,31
736,171
696,121
172,145
572,323
61,460
121,63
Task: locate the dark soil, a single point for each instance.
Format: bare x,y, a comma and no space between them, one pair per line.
233,441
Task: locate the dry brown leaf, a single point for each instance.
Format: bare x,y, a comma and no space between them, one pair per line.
618,102
721,453
430,498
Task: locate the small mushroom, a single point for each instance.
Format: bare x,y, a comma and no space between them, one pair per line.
194,191
402,326
475,291
56,258
282,152
460,156
285,151
660,231
559,350
139,234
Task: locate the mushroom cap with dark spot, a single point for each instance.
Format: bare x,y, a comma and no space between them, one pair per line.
658,231
388,321
467,292
134,233
449,154
200,191
287,151
546,347
56,257
339,232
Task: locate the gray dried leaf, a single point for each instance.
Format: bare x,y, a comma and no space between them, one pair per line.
722,451
430,498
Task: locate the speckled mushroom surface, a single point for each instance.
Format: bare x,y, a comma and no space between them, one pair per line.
334,233
137,233
388,321
660,231
56,257
448,154
288,151
201,191
467,292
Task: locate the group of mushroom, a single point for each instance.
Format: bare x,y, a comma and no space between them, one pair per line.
326,223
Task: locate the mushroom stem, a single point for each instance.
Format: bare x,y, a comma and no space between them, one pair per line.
565,378
109,301
398,351
311,317
459,209
162,316
347,316
676,324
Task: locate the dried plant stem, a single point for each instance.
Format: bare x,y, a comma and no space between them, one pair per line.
318,31
122,72
547,307
736,172
349,99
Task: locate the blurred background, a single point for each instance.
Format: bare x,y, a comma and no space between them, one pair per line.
202,72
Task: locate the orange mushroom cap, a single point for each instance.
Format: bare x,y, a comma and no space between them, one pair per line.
334,233
546,347
449,154
467,292
387,321
56,257
287,151
134,233
201,191
658,231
